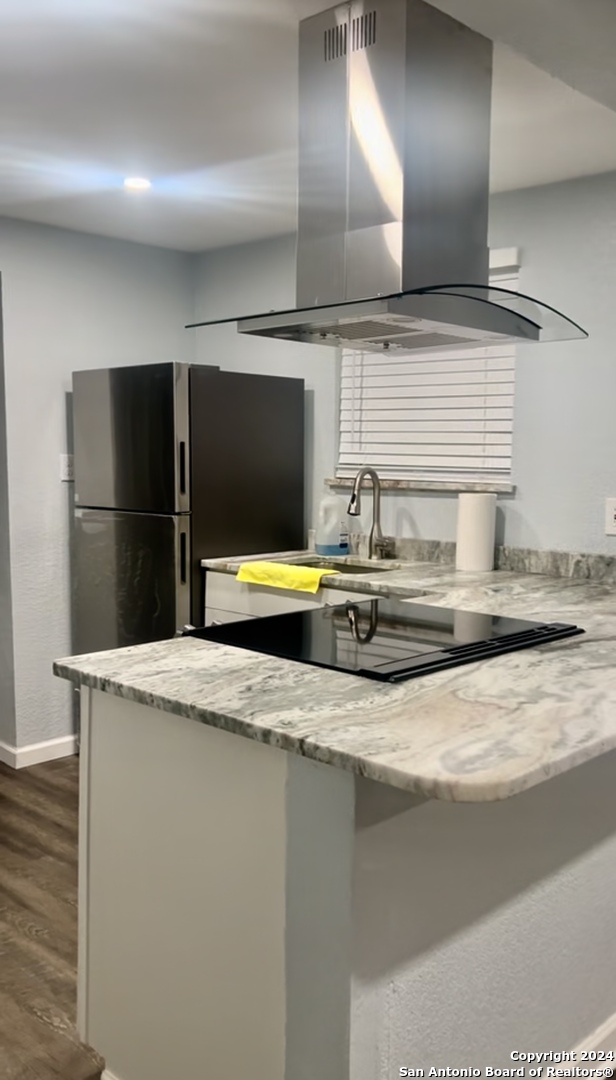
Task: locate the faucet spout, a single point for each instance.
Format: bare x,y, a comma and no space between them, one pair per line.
376,540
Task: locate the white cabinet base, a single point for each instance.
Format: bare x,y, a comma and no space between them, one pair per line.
234,920
215,885
224,593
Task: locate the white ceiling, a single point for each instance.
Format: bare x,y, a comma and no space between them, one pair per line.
575,40
200,96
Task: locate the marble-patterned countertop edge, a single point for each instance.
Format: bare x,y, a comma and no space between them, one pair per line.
483,732
405,779
567,565
382,582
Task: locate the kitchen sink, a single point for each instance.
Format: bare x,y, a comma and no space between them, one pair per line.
322,563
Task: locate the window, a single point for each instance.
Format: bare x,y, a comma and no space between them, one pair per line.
446,415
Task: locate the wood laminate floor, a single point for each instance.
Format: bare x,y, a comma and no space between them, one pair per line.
38,925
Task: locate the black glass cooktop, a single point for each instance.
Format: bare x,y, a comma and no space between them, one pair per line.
385,639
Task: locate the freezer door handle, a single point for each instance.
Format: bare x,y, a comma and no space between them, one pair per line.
182,468
182,572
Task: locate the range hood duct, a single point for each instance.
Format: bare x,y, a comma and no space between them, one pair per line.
394,164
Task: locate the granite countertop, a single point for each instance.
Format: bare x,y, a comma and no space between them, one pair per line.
395,574
476,733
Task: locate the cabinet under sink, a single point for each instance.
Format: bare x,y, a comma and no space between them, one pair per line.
227,599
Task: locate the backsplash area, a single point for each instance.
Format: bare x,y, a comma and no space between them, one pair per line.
566,564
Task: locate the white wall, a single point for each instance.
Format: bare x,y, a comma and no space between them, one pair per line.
7,682
565,436
482,929
71,301
254,278
564,452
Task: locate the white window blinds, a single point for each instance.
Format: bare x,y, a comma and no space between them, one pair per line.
441,416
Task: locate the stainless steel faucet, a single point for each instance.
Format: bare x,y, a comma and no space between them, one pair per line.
379,546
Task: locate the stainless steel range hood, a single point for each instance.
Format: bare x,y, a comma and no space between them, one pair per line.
394,147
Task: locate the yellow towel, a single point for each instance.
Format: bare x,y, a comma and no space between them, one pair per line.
283,576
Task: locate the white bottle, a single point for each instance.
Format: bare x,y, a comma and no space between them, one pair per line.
332,535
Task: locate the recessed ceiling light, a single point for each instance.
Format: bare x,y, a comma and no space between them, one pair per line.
137,183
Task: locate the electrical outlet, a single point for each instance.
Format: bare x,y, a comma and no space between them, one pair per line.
67,473
610,517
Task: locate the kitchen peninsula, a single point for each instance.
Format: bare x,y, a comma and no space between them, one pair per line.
289,872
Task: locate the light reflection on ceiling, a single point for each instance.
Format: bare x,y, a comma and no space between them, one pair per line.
201,96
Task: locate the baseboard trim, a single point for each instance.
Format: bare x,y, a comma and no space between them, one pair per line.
109,1075
8,755
604,1038
21,757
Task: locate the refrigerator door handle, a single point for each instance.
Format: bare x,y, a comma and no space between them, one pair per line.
182,467
183,558
182,435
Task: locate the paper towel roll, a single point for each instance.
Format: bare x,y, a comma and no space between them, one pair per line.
476,527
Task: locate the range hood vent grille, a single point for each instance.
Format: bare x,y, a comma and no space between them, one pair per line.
433,340
367,335
364,31
335,43
364,330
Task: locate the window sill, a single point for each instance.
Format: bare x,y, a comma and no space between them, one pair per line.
500,487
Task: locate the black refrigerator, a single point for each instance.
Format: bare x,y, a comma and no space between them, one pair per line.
175,463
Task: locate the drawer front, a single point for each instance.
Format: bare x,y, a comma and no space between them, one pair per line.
224,593
216,616
262,600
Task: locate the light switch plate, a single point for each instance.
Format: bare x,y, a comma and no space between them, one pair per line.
67,473
610,517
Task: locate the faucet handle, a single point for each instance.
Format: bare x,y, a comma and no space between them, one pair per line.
385,547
